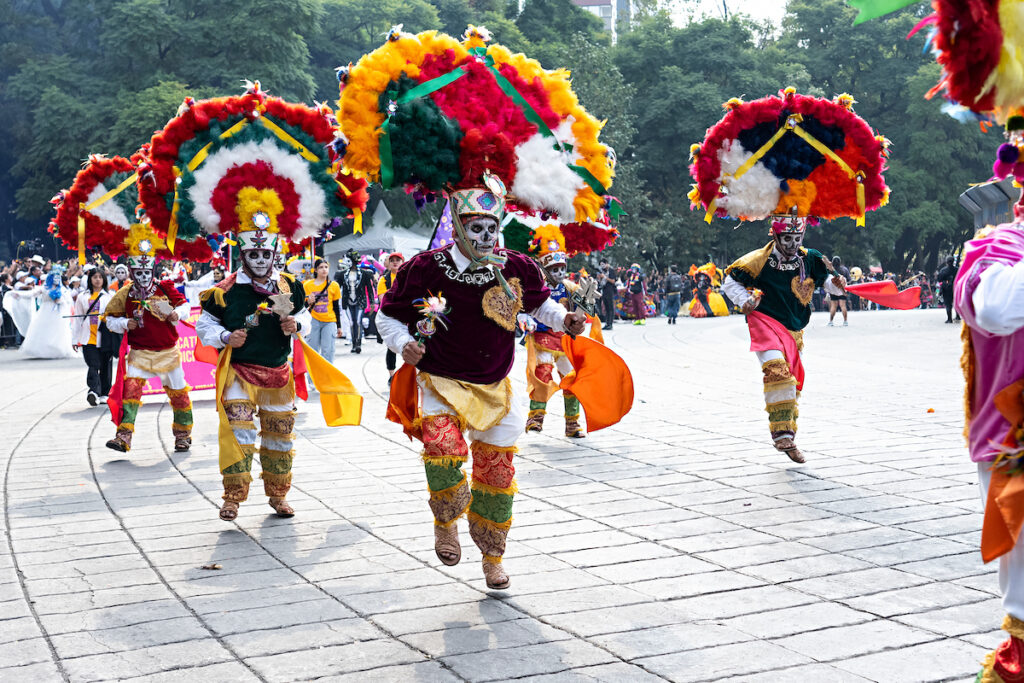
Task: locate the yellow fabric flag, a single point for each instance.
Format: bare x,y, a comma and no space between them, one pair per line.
340,402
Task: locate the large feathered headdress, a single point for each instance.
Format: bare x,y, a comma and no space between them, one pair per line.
435,114
248,166
101,211
790,154
578,237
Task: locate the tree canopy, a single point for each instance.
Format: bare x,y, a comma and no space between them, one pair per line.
80,77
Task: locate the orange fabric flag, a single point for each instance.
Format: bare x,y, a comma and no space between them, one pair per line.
206,354
601,381
1004,509
595,328
403,402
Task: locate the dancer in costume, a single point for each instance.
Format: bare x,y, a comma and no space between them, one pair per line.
393,262
706,302
267,176
544,345
452,312
148,311
794,158
463,372
772,286
636,294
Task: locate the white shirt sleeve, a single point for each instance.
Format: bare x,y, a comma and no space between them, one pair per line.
999,299
117,325
736,292
184,310
396,334
551,314
209,330
305,320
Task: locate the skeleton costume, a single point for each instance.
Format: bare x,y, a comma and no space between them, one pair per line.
461,119
794,158
544,345
153,343
261,170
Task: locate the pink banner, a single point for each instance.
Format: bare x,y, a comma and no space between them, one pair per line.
198,375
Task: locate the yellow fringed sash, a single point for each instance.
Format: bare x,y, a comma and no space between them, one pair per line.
482,406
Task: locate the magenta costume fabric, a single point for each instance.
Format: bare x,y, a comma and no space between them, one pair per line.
478,345
998,360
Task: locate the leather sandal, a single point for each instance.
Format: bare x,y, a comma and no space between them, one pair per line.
787,446
182,444
446,544
117,445
229,510
495,575
281,507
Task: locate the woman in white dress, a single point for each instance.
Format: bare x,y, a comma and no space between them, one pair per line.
49,334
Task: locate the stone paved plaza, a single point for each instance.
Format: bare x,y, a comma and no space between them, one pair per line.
677,545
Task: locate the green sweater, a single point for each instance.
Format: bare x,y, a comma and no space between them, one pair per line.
265,344
780,284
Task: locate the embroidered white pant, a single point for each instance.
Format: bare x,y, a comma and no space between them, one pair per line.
1011,565
504,434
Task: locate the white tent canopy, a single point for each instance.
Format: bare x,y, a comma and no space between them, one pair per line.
378,235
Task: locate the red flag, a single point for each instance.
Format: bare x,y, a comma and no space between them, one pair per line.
602,381
299,370
115,401
885,293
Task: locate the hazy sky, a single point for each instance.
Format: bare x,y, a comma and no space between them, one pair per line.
759,9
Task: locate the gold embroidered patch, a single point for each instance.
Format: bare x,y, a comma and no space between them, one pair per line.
803,290
499,308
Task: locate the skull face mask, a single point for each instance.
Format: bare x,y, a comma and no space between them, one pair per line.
121,272
789,243
482,232
703,282
258,263
143,279
556,272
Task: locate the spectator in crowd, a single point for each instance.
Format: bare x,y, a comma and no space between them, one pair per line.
609,292
636,292
673,294
837,291
393,262
323,298
945,277
89,334
358,296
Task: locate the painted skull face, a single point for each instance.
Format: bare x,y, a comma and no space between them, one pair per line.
346,263
143,277
789,243
482,232
703,282
258,262
556,272
121,272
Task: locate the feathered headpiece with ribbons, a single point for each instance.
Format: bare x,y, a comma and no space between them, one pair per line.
101,210
582,237
789,154
437,114
251,166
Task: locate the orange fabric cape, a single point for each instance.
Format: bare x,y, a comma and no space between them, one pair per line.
1004,509
404,401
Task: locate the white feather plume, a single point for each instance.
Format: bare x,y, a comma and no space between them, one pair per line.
312,207
753,195
109,210
543,177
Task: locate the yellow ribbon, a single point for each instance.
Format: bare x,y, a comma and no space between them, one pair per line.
281,133
711,210
793,124
107,196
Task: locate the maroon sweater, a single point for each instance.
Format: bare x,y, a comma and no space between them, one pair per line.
479,344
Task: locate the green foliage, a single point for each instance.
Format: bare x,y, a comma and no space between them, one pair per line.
84,77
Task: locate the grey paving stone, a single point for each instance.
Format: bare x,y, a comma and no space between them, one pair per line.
113,617
662,640
145,661
960,620
228,672
543,604
268,639
738,602
136,636
857,583
30,673
722,661
916,599
843,642
617,671
22,652
944,660
332,660
531,659
458,640
784,622
802,674
418,672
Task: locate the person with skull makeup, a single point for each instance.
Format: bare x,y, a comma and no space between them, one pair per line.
706,302
463,369
147,311
358,295
544,345
773,287
255,311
